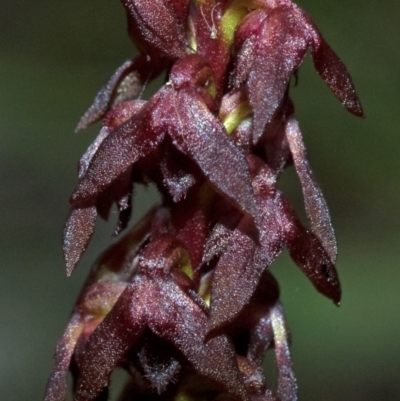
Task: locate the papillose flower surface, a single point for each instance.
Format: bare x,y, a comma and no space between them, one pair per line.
184,302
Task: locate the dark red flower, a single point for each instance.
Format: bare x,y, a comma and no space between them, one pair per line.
184,302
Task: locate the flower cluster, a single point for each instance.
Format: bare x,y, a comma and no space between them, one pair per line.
184,302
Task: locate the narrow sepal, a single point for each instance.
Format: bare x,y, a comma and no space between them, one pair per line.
156,27
306,250
56,389
123,147
280,49
240,267
227,218
333,71
110,341
253,377
287,385
315,204
81,221
183,323
78,231
217,242
125,83
199,134
167,311
256,317
261,339
246,38
94,303
308,253
235,279
91,151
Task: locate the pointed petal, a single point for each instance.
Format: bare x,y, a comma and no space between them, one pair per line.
235,279
308,253
239,271
90,152
280,50
81,221
261,340
111,340
93,304
240,268
250,26
78,231
120,149
255,317
287,386
156,26
315,204
183,323
199,134
56,389
332,70
217,242
246,38
254,376
227,218
126,83
114,118
245,61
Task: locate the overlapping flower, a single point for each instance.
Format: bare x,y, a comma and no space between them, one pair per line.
185,302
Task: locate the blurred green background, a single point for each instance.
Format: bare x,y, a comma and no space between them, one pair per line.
55,55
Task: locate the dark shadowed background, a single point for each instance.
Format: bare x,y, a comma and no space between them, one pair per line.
55,55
